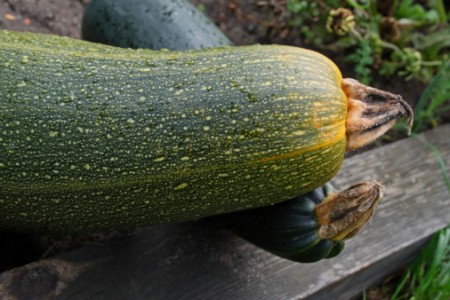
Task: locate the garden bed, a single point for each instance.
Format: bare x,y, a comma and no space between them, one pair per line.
249,22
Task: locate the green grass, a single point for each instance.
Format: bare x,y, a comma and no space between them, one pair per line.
434,101
428,277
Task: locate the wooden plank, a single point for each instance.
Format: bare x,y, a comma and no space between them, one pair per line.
200,261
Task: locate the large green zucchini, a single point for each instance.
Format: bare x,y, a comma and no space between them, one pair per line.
95,137
90,132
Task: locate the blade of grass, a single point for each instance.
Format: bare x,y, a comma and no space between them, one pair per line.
439,159
400,287
429,276
430,284
440,7
435,94
432,271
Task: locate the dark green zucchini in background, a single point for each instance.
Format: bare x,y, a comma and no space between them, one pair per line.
153,24
288,229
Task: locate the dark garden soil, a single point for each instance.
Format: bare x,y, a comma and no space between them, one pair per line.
244,22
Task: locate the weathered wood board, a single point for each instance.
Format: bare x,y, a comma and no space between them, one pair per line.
201,261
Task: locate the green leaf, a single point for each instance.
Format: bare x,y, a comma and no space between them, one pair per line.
408,9
362,58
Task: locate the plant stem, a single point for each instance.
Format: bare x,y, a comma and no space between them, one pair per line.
390,46
356,34
400,286
434,63
441,11
427,93
439,159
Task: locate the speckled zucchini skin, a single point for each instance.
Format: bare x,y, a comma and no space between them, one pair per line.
94,137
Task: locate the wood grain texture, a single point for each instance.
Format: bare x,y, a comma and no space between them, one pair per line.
201,261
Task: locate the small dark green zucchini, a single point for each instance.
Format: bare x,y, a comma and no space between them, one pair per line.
289,229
